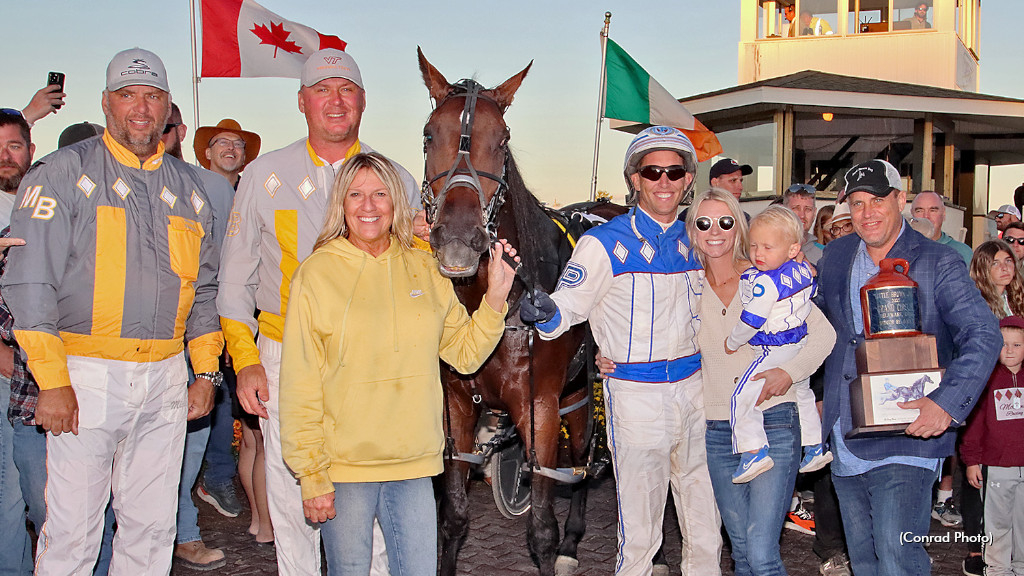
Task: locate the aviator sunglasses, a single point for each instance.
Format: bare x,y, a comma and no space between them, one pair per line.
725,223
653,173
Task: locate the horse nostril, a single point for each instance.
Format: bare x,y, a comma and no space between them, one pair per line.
437,235
481,241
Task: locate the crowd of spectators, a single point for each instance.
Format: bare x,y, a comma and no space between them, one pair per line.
147,304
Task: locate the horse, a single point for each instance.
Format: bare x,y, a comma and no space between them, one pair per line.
473,193
905,393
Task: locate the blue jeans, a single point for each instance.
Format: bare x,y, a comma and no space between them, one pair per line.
878,508
407,516
753,513
15,544
28,452
220,460
195,446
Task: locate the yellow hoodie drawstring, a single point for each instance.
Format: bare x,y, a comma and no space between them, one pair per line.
394,307
344,317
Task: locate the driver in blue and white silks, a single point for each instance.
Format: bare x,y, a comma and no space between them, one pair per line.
639,284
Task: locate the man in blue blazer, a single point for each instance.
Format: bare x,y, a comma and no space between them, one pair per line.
884,484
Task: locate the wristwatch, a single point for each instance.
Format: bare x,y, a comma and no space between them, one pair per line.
215,378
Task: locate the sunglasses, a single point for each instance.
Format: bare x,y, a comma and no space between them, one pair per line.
806,189
11,111
171,126
653,173
1012,241
725,223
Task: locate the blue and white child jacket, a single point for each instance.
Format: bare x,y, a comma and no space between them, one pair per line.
776,304
639,285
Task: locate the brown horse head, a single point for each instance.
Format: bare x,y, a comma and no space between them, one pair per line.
465,146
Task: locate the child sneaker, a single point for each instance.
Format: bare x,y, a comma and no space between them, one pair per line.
814,458
752,465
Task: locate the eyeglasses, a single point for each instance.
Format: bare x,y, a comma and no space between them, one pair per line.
228,143
725,223
653,173
171,126
804,189
838,228
12,112
1012,241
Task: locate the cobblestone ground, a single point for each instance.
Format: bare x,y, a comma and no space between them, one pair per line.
498,546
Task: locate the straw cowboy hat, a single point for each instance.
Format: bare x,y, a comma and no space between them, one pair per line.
203,135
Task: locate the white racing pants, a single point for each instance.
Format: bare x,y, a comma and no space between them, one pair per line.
296,540
131,437
656,437
745,417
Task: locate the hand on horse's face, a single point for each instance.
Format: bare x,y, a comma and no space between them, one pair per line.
500,274
420,226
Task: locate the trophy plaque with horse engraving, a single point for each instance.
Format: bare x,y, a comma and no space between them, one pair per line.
896,363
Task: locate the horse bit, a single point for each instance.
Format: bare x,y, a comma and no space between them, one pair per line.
468,176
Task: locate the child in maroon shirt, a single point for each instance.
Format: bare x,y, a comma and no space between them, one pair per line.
992,448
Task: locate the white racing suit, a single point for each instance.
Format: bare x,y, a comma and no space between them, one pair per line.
639,286
776,304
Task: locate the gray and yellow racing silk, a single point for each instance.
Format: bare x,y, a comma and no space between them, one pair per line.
119,262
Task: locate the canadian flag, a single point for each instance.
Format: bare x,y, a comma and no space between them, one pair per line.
242,38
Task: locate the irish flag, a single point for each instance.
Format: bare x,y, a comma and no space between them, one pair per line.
242,38
633,95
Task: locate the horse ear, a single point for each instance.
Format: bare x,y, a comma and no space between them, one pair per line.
435,81
504,94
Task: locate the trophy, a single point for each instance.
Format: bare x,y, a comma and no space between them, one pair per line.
896,363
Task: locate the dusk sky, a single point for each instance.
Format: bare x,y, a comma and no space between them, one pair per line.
689,46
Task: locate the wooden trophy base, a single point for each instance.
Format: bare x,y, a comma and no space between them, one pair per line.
891,370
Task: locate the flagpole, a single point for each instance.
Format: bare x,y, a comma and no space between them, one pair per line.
195,68
600,104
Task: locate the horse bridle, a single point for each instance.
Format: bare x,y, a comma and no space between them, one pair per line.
466,176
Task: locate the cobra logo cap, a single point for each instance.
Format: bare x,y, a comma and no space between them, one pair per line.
136,67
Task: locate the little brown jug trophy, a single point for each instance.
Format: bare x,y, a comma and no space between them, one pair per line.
896,363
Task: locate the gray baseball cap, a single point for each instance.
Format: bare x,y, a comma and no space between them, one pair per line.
136,67
330,63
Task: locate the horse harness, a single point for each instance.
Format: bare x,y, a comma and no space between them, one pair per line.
467,176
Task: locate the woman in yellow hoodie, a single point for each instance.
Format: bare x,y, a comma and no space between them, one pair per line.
361,401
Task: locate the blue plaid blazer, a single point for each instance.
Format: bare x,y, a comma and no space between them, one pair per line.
952,309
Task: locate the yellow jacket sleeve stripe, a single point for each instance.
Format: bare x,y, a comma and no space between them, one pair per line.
46,358
241,343
204,352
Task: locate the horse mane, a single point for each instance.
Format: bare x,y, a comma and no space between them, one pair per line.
532,223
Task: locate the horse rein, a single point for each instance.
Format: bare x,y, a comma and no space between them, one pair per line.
468,176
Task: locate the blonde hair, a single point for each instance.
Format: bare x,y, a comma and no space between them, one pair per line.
334,221
981,273
783,220
739,249
822,227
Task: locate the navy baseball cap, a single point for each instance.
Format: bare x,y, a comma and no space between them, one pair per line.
728,166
